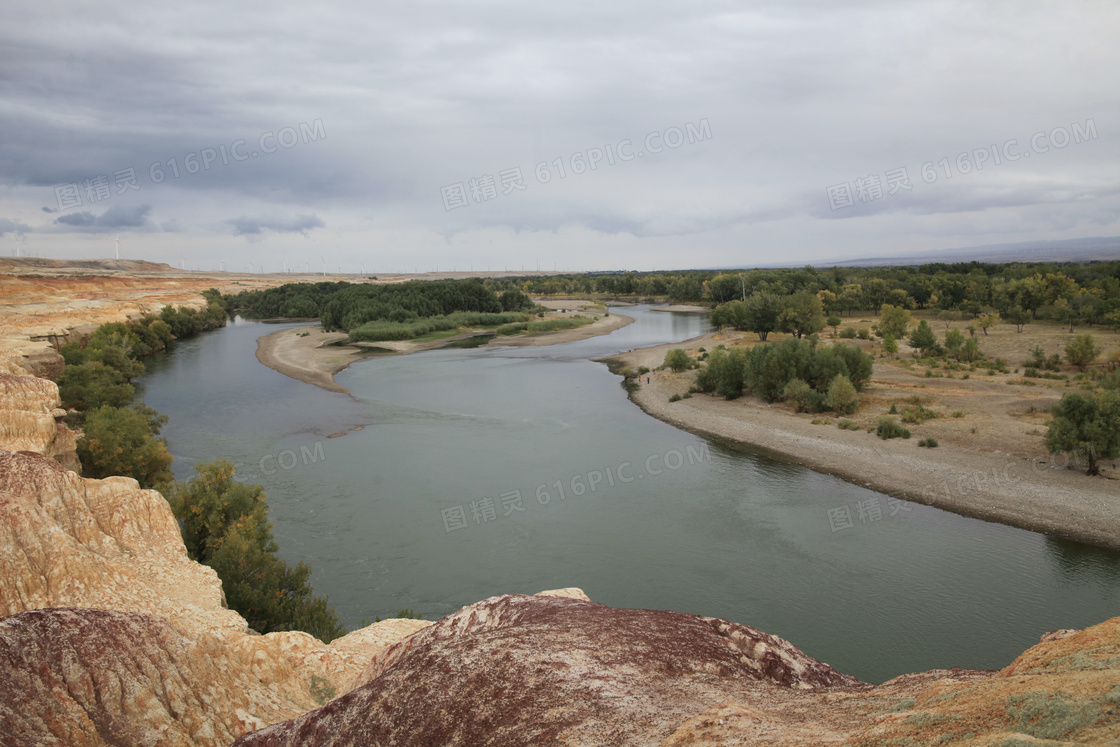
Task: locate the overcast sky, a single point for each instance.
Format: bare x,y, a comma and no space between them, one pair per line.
389,135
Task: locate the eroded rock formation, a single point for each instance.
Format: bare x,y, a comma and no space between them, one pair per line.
29,413
516,670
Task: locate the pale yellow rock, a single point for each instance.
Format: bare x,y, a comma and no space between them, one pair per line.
570,592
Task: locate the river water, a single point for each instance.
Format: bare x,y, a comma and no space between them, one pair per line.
468,473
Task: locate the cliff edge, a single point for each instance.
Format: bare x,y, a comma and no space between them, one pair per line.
106,545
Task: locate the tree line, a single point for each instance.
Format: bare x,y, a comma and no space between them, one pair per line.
342,306
1068,292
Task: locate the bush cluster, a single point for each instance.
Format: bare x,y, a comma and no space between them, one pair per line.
771,371
225,525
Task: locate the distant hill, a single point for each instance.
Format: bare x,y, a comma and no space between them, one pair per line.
11,264
1068,250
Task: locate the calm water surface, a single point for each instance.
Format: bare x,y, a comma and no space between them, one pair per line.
485,440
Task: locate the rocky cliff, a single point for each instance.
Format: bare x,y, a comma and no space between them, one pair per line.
29,419
107,545
515,670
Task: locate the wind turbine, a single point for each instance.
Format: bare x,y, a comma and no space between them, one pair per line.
284,264
118,243
221,266
250,268
324,265
19,244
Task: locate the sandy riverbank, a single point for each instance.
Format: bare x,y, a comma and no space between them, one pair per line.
683,308
602,326
307,353
1027,491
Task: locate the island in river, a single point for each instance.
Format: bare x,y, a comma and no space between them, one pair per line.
311,355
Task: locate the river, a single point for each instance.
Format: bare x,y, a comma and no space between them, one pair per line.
468,473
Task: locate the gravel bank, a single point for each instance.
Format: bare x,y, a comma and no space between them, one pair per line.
1037,494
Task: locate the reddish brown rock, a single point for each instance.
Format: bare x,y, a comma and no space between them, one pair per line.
518,670
95,677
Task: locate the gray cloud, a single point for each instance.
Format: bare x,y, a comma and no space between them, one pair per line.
255,226
13,226
115,217
412,98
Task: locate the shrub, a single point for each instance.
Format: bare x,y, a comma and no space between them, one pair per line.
841,395
123,441
93,384
225,525
930,443
848,333
890,428
1086,427
678,360
863,333
675,398
723,373
1081,351
847,425
917,413
923,339
893,320
797,392
890,344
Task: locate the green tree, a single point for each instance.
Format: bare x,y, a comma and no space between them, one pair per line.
1062,311
1018,316
515,300
893,320
890,344
93,384
724,288
1081,350
798,392
269,594
225,524
988,319
923,339
761,314
1086,427
1112,321
678,360
731,314
801,314
954,341
841,395
834,322
123,441
970,351
210,503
